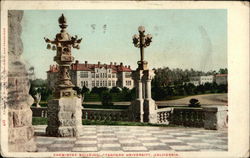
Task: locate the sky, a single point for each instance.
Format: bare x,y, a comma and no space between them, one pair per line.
194,38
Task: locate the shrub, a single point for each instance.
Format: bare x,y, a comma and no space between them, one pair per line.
106,98
194,103
115,90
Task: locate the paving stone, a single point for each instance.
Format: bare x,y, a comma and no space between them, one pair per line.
138,149
86,149
86,142
160,147
136,139
131,144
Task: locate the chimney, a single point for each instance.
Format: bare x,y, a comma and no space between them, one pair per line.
129,66
125,66
115,63
86,63
121,64
77,62
111,63
99,63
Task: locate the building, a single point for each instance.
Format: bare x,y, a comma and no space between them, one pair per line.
201,80
207,79
96,75
194,80
221,79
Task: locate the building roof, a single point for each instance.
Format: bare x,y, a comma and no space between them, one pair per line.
221,75
91,67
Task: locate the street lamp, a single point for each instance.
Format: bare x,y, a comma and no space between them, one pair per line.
142,41
63,43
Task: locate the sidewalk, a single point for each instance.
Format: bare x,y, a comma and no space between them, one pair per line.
134,139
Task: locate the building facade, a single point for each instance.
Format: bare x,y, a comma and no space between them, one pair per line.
201,80
96,75
207,79
221,79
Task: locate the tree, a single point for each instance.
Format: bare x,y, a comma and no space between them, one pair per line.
115,90
84,90
32,90
223,71
77,89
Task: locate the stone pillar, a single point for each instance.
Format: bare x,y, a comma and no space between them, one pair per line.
150,113
136,108
21,132
215,117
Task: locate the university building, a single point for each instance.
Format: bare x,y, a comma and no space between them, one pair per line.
201,80
95,75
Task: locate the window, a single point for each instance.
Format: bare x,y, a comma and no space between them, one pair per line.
93,75
113,83
105,75
93,83
83,74
97,75
109,83
127,75
86,83
101,75
100,83
113,75
109,75
105,83
97,83
82,84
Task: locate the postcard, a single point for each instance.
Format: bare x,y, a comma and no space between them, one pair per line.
124,79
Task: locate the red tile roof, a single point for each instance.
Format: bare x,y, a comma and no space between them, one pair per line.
221,75
90,67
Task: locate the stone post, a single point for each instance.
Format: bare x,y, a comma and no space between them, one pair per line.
150,113
65,109
215,117
20,131
136,109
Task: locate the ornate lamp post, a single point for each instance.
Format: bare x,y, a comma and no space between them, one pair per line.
143,109
64,110
142,41
62,44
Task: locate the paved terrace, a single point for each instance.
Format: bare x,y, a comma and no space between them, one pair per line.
135,139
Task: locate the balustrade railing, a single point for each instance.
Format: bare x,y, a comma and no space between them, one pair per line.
192,117
106,114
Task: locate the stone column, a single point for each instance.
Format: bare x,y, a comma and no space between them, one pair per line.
150,113
136,108
21,132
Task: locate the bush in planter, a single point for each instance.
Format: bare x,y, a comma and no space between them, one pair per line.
194,103
106,98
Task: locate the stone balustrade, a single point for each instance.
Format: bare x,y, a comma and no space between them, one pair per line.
205,117
164,115
90,114
105,114
191,117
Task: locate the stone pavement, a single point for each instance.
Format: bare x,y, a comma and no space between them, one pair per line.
134,139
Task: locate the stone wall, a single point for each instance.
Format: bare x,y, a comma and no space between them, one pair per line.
19,101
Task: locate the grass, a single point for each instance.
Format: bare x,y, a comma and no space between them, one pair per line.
96,106
39,121
44,121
